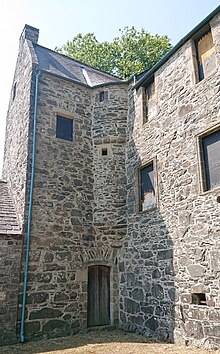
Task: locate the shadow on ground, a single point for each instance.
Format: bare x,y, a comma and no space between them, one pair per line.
100,342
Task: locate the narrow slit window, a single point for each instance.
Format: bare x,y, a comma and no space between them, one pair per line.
64,128
147,188
205,54
14,91
104,151
149,97
210,150
101,96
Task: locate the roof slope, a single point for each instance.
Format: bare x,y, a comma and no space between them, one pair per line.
8,217
59,64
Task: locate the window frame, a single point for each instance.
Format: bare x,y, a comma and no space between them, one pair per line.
146,100
14,91
196,38
201,162
101,96
152,161
59,115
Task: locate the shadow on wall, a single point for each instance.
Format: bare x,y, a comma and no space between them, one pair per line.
147,288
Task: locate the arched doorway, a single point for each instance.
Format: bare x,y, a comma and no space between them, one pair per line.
98,310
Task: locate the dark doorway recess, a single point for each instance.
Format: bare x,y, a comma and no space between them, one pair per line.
98,296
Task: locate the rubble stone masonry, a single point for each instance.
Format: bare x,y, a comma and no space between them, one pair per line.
164,260
75,221
171,252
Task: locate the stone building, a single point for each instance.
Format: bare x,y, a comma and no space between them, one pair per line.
111,195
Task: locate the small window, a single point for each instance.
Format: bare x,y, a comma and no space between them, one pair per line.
64,128
149,97
104,151
205,54
147,188
210,149
14,91
101,96
199,299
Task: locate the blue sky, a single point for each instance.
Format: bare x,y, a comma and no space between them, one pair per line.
60,20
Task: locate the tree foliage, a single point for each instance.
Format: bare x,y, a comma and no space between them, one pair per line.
132,52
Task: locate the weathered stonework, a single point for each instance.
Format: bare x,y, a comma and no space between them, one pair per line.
171,252
86,199
66,200
10,256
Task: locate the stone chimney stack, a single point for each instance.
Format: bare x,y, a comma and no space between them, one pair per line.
30,33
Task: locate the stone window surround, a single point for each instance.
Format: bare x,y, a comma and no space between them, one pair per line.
109,151
192,40
201,181
65,114
196,80
138,187
105,96
144,113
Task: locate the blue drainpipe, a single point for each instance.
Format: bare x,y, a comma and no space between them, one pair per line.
22,338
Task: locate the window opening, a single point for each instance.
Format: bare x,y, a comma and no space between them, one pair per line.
14,91
101,96
210,145
149,97
147,188
64,128
199,299
205,54
104,151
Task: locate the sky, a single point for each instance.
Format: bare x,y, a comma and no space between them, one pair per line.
60,20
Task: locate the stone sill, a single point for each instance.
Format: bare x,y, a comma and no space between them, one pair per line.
143,212
208,78
215,190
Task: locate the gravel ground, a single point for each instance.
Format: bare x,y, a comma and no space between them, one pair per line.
102,342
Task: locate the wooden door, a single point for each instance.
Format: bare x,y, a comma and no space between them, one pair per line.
98,313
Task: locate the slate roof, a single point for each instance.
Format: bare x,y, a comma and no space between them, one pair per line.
66,67
8,217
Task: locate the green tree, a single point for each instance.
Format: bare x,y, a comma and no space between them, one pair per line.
132,52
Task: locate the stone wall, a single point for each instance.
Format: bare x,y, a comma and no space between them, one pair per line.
110,194
109,132
64,239
86,202
10,257
18,125
171,251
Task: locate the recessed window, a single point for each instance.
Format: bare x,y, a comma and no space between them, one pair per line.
199,299
104,151
14,91
210,150
64,128
147,187
149,97
101,96
205,54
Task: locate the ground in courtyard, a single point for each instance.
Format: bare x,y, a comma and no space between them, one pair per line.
102,342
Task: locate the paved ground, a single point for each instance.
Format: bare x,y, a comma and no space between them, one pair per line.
102,342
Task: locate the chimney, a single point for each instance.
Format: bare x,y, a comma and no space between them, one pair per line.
30,33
